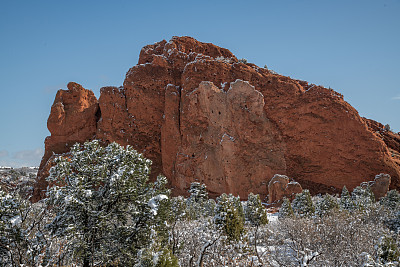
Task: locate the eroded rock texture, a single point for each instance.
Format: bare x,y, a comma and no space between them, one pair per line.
200,115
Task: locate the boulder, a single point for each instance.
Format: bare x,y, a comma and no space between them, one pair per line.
280,186
380,185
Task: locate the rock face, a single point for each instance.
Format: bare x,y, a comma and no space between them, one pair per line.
280,186
200,115
380,185
73,118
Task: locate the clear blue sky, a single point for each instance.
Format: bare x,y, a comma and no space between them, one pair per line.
350,46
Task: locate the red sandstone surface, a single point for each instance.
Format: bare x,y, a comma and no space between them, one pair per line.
200,115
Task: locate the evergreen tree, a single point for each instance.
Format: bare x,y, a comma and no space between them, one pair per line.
103,203
197,200
198,192
167,259
256,213
326,204
302,204
363,197
285,211
10,233
387,250
229,216
346,203
391,200
20,244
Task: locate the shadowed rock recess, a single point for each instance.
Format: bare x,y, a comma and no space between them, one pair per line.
201,115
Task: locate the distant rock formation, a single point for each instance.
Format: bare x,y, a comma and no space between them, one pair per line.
201,115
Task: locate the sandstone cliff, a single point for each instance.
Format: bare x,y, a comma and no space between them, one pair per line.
201,115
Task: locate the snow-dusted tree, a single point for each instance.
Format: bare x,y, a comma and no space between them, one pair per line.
229,216
21,238
9,230
285,211
346,203
387,250
302,204
256,215
391,200
209,208
326,204
363,197
255,212
197,201
103,202
198,192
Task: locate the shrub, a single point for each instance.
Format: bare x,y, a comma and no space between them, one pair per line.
325,205
302,204
229,216
346,203
256,214
285,211
391,200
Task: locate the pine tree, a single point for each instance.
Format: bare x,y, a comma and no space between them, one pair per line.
198,192
9,228
363,197
103,202
325,205
256,213
167,259
285,211
346,203
197,200
302,204
20,243
229,216
391,200
387,250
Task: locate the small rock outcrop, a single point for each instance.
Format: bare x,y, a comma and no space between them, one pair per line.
201,115
380,185
280,186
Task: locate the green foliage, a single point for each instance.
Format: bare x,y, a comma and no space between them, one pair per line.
388,250
256,214
285,211
10,232
167,259
104,205
302,204
20,241
198,192
363,197
242,60
229,216
346,203
198,204
326,205
391,200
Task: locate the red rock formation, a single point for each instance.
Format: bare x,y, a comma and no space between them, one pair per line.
280,186
380,185
200,115
73,118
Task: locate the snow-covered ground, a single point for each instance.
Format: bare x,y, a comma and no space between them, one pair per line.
273,217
